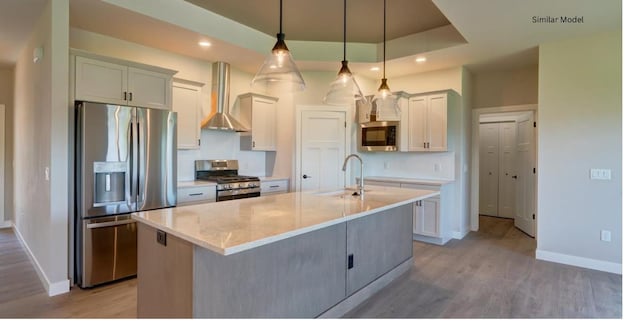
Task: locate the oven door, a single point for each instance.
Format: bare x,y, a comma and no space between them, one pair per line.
241,193
379,136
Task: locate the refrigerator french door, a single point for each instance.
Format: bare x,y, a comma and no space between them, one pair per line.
125,162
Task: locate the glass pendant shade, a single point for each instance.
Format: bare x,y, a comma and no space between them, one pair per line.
344,89
279,69
384,99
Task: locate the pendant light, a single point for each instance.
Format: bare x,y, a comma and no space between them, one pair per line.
344,89
384,99
279,67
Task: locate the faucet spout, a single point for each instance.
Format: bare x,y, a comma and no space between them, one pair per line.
344,168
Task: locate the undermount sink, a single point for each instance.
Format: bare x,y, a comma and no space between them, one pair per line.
347,191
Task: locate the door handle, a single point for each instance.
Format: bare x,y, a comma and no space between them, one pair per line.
304,176
514,177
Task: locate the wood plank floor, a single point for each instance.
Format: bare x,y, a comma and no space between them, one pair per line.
491,273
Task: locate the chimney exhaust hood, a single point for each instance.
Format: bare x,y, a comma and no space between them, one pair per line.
219,117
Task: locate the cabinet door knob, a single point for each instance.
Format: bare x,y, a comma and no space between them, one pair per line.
304,176
130,96
253,143
424,145
514,177
125,96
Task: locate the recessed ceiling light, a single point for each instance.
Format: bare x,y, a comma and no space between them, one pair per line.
375,68
204,44
421,59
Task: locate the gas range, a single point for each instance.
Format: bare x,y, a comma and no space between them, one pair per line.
224,172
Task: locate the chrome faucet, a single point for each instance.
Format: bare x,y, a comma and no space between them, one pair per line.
344,168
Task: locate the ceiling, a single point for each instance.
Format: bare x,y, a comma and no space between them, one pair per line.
488,35
323,20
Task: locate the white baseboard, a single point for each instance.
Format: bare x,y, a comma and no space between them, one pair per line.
582,262
459,235
55,288
6,224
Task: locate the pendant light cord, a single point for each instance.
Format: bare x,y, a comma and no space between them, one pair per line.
344,33
384,39
280,16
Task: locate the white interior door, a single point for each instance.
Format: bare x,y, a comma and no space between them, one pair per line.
507,183
322,149
489,168
525,193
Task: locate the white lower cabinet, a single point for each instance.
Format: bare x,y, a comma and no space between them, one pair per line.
196,194
275,186
427,214
426,217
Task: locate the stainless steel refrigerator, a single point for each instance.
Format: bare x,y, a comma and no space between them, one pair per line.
125,163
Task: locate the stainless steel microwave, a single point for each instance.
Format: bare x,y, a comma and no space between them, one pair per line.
379,136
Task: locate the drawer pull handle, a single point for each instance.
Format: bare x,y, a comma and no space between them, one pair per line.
274,186
194,194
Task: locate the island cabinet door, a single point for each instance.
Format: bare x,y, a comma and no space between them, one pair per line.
299,277
376,244
164,275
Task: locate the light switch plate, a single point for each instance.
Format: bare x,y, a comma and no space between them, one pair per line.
605,235
600,174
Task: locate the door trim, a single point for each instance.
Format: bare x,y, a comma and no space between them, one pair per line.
475,155
300,109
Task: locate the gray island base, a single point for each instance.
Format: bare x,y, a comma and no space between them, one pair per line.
324,272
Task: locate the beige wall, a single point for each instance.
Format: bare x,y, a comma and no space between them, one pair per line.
505,88
41,114
580,128
6,98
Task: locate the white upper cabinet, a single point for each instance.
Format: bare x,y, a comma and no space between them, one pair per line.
102,79
187,103
425,123
380,112
258,112
364,110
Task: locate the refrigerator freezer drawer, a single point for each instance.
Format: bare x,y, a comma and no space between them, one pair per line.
110,250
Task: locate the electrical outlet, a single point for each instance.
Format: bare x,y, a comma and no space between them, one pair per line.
600,174
605,235
437,167
386,165
161,237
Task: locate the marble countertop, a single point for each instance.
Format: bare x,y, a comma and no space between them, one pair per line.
438,182
230,227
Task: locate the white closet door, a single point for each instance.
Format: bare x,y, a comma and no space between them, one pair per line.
507,183
489,168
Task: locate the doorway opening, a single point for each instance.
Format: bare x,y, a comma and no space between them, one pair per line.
504,157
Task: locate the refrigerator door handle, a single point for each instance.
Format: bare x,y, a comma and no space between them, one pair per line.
143,130
134,159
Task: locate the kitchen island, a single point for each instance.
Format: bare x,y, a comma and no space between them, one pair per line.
290,255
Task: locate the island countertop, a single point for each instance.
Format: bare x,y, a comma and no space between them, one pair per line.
230,227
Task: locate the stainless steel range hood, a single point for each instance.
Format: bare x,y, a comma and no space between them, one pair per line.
219,117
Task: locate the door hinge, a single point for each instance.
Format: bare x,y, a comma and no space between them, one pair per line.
534,124
534,216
